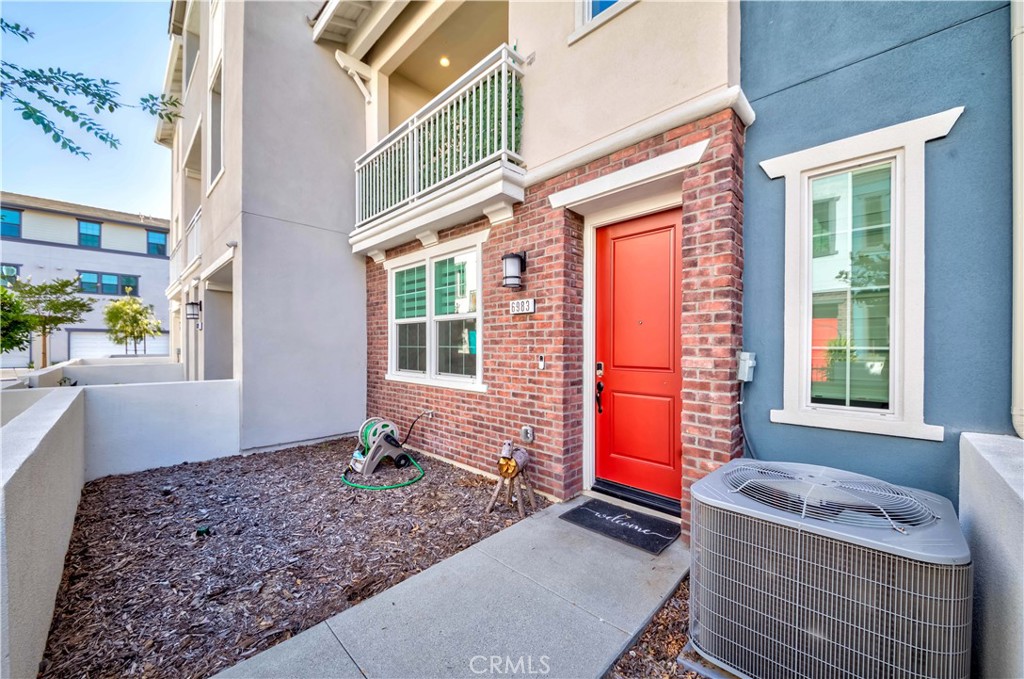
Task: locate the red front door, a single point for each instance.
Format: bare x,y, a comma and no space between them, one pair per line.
638,420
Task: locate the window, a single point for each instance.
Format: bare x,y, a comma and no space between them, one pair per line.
89,282
88,234
98,283
156,243
851,328
854,281
216,118
10,222
190,40
435,309
598,6
9,274
592,14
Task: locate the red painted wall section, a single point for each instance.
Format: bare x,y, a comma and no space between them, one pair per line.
470,427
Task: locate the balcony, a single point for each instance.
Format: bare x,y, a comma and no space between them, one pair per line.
455,160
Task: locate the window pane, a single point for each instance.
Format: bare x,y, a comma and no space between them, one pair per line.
132,283
824,227
851,333
456,348
412,347
10,223
598,6
411,293
89,234
8,274
89,282
455,287
108,284
156,243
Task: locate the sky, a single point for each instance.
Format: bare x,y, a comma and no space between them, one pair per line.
121,41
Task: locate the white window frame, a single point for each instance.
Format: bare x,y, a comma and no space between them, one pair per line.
473,243
215,39
904,144
218,72
586,24
188,70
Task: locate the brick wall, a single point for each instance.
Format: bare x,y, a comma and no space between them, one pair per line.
469,427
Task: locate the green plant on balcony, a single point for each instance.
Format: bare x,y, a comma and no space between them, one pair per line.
446,143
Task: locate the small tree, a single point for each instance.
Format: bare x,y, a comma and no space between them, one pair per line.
129,320
15,325
50,306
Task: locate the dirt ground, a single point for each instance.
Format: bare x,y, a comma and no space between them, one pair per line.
654,653
187,570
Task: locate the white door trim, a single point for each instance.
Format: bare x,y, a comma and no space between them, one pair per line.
646,188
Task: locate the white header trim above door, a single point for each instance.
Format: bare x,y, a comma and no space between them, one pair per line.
645,188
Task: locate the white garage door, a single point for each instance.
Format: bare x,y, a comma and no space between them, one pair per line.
96,344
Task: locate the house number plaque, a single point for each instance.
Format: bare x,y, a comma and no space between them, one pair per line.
522,306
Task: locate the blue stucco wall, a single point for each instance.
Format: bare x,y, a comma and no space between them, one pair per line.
820,71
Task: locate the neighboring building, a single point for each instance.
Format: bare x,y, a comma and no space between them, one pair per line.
109,251
879,305
345,217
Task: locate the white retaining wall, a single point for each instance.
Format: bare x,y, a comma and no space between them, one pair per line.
43,463
992,514
132,427
72,434
14,402
125,374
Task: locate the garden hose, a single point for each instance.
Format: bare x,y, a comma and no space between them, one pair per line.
344,479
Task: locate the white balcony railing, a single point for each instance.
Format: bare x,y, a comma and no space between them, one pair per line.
193,236
476,120
177,261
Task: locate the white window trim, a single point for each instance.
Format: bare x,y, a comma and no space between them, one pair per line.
905,143
190,69
471,243
586,25
214,180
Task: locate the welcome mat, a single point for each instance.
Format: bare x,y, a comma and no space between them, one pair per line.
636,529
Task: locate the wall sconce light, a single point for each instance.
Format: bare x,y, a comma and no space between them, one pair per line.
513,265
193,310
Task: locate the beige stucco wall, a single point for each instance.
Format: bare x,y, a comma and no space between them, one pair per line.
649,58
121,237
49,227
404,98
58,228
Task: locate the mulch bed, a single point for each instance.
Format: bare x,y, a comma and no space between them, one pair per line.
654,653
185,571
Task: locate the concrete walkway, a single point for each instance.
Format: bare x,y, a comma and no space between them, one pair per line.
543,597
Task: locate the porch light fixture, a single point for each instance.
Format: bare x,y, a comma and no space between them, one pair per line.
193,310
513,265
445,62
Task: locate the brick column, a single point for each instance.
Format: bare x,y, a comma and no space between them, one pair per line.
712,305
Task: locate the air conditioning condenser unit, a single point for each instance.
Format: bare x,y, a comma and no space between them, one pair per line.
807,571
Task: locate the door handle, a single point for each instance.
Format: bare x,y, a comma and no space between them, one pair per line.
600,388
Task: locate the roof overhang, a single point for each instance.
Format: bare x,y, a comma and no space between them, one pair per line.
355,24
172,88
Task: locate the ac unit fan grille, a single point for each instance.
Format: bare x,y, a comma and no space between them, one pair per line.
837,497
774,602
